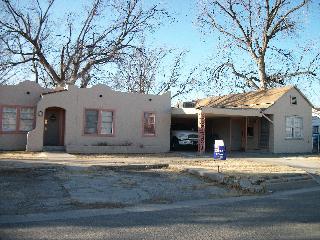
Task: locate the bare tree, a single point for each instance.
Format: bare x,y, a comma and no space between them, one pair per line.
72,57
154,71
258,28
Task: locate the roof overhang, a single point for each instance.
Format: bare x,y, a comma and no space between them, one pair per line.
216,112
184,112
235,112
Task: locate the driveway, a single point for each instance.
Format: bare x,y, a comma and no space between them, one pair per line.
310,164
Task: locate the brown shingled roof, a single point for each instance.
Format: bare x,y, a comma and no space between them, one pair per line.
254,99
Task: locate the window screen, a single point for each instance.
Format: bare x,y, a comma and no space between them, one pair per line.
106,122
91,124
294,127
9,119
26,119
149,124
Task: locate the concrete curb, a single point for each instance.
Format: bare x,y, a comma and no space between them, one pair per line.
244,184
56,167
129,167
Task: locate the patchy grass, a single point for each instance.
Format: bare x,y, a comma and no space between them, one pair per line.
242,167
18,154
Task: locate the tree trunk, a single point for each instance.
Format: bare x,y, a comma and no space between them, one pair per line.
262,73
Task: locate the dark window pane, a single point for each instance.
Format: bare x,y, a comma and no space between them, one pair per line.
250,131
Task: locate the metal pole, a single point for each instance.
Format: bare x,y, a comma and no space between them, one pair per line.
318,142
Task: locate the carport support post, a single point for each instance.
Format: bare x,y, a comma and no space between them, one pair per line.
246,135
201,132
230,133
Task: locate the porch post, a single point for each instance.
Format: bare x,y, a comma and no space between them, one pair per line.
230,134
201,132
246,135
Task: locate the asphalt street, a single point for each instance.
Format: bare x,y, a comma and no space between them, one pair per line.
286,215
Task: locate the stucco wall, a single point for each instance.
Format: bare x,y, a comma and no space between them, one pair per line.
128,110
280,110
26,93
253,141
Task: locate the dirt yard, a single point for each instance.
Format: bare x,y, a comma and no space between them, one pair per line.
235,165
41,182
55,188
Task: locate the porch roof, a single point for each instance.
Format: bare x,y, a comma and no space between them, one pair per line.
240,112
218,111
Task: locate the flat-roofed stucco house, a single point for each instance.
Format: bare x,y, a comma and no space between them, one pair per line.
83,120
276,120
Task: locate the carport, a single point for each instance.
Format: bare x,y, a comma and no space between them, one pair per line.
184,119
241,129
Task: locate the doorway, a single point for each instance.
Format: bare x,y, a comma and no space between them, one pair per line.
236,134
54,127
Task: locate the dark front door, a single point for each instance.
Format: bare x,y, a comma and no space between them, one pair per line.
264,133
54,127
236,134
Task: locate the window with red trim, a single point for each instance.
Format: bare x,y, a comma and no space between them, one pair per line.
149,124
98,122
17,119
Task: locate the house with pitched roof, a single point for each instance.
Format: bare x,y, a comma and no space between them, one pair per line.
276,120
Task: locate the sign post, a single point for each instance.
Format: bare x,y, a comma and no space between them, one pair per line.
201,132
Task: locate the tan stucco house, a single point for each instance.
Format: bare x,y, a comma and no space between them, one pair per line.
91,120
100,120
276,120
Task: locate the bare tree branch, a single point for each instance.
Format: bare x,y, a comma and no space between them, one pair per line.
254,26
27,36
143,72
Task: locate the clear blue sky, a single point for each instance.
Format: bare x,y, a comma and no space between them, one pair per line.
184,34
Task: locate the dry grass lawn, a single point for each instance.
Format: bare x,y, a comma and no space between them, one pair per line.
178,162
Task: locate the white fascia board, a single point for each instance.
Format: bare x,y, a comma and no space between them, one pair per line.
232,112
184,111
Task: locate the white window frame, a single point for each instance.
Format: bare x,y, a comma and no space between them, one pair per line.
295,132
293,100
